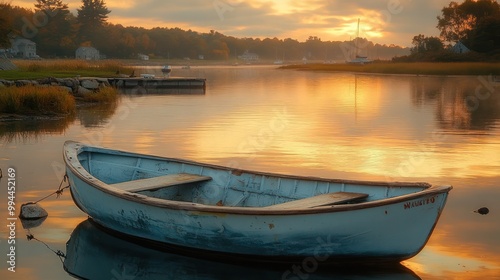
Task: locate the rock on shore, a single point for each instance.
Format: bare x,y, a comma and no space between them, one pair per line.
77,86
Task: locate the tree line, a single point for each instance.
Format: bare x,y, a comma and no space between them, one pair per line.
58,33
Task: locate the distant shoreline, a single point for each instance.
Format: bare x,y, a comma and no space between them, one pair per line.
109,68
415,68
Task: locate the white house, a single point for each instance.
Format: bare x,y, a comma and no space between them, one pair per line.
23,48
87,53
459,47
248,56
142,56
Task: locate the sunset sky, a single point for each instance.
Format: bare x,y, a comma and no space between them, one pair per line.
382,21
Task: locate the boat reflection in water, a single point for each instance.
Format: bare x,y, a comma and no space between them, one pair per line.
92,253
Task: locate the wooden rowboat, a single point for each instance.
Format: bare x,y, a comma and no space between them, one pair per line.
247,215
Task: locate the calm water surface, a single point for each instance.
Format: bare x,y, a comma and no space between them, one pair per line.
443,130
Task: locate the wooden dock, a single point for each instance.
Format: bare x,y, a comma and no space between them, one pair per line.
158,83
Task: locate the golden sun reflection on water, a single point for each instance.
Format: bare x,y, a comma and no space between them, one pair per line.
379,126
446,264
359,132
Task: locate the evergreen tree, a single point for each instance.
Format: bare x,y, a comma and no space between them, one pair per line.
92,16
49,6
5,24
56,29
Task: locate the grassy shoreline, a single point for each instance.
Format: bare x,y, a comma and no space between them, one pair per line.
34,100
418,68
66,68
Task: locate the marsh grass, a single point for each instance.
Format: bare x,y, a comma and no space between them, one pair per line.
35,69
50,100
31,100
423,68
68,65
35,100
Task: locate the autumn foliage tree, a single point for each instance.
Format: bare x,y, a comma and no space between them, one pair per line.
475,23
423,44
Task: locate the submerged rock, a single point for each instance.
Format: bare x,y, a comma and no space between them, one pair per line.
32,211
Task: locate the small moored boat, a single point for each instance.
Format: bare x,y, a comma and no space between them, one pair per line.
166,69
249,215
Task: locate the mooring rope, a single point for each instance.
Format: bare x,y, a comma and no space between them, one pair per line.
59,191
58,253
30,236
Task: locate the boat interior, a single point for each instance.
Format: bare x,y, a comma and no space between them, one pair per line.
179,180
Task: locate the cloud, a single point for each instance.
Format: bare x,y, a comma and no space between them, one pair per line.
382,21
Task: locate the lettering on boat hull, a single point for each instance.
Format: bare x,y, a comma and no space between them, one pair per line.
421,202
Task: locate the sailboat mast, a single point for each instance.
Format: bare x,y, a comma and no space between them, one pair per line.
357,39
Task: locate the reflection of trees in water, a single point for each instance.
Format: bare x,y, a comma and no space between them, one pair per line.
22,129
488,109
96,115
461,103
426,89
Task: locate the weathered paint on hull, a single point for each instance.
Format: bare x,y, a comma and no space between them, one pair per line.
391,232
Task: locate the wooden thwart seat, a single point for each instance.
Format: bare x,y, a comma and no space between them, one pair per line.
159,182
319,200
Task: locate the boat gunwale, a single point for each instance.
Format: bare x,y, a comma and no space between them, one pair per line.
72,149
